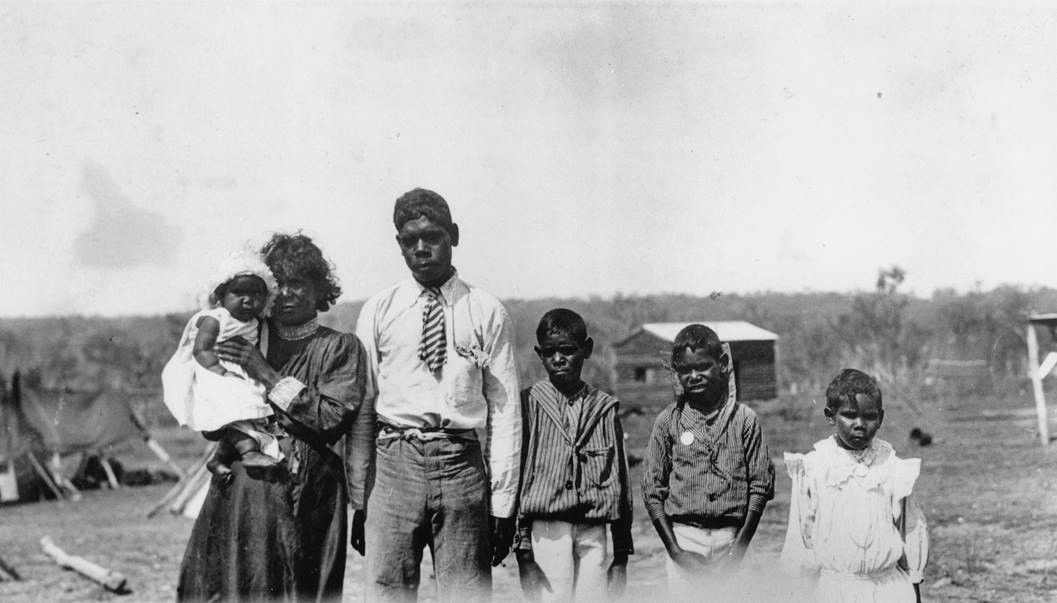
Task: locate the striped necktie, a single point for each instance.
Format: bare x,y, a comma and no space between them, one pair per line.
431,350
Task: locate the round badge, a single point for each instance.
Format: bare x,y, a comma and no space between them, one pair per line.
687,438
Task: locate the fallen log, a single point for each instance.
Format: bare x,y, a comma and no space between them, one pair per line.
111,580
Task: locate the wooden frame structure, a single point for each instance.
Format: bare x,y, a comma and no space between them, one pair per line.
1038,370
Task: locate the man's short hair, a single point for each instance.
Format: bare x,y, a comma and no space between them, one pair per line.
849,384
422,203
562,320
697,337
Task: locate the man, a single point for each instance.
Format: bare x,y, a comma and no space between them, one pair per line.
442,352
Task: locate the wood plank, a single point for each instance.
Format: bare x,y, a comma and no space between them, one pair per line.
1036,383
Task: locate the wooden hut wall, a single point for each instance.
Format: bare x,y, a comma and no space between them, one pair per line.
641,378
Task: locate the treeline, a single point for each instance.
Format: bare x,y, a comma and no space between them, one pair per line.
884,331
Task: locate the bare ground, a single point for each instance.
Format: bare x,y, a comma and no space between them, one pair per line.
988,488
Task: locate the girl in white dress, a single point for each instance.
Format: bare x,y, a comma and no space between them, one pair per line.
210,395
852,521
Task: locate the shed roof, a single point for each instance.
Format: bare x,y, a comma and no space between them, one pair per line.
1048,319
728,330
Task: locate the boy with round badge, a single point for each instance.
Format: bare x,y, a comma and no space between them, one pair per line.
707,474
574,475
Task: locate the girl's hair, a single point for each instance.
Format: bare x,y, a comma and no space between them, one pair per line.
697,336
296,257
849,384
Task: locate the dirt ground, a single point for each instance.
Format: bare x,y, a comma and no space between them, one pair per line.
987,487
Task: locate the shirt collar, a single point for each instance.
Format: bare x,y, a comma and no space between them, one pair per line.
581,393
448,290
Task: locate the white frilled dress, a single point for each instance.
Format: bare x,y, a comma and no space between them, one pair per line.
202,399
852,521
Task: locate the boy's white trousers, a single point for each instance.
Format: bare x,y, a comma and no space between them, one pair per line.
712,543
573,558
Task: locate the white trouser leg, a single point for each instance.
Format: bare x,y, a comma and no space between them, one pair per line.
573,559
711,543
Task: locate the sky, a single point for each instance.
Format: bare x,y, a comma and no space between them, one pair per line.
586,149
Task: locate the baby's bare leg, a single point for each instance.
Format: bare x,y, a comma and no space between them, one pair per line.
249,450
225,454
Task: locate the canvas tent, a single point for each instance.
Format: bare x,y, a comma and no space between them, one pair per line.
22,474
56,423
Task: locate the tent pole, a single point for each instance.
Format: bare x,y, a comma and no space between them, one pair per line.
164,456
110,477
45,476
60,478
9,569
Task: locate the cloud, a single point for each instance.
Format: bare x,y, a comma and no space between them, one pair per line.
121,235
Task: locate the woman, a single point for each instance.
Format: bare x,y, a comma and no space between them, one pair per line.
281,534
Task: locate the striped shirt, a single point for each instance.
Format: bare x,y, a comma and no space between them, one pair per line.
710,469
573,463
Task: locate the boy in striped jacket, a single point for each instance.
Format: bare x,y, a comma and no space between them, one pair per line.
707,474
574,475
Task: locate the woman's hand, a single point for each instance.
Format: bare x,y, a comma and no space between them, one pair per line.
241,352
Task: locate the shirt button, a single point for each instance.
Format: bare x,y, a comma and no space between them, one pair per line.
569,485
711,497
583,458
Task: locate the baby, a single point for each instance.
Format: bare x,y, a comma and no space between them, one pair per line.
217,397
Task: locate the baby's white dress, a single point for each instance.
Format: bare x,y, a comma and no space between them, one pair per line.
851,520
202,399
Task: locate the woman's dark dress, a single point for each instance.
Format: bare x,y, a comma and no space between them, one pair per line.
283,537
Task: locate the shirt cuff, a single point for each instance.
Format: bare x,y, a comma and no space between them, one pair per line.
285,391
757,502
502,505
524,535
655,509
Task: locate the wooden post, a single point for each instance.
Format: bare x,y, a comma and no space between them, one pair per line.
1036,382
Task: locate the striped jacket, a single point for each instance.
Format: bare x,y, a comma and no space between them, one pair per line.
579,480
707,470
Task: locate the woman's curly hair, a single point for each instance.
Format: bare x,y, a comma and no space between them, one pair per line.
296,257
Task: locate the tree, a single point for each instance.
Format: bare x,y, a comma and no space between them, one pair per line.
877,334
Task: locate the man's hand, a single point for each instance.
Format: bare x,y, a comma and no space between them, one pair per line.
617,576
358,540
533,581
502,538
